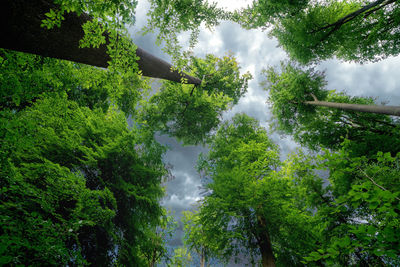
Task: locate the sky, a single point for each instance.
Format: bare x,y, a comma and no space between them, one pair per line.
254,51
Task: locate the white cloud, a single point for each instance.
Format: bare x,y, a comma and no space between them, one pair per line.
255,51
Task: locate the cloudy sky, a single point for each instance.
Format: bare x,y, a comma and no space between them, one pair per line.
255,51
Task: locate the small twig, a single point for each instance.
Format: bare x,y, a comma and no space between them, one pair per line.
372,180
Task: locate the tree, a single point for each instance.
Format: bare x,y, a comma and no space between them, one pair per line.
77,182
253,206
309,31
172,17
350,30
195,237
25,22
154,250
291,93
189,112
25,77
181,257
265,13
74,173
355,204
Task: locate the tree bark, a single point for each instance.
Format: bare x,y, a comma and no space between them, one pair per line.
21,31
264,243
202,258
388,110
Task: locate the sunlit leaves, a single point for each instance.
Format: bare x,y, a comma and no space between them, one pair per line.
369,36
221,75
190,112
363,207
172,17
263,13
316,127
248,182
83,173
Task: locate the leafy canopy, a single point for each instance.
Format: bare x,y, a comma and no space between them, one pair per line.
252,196
317,127
190,112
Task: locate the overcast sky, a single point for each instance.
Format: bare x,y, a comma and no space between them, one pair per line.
255,51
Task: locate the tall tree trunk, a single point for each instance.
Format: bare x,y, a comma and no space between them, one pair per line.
388,110
264,243
202,258
21,31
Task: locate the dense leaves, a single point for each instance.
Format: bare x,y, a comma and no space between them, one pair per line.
190,112
77,182
357,209
75,171
253,206
290,94
80,186
342,29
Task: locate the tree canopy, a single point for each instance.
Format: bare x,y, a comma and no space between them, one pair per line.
291,94
83,175
190,112
253,206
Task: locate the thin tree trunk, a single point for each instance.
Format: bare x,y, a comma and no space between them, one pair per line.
264,243
21,31
202,258
388,110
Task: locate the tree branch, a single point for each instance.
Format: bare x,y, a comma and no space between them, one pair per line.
21,31
339,23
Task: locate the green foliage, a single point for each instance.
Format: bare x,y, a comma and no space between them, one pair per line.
44,207
93,152
76,181
287,92
313,31
190,112
59,203
108,12
172,17
195,238
317,127
25,77
358,211
181,258
155,248
252,195
220,75
263,13
370,36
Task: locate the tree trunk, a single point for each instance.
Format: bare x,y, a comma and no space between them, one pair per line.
21,31
388,110
202,258
264,243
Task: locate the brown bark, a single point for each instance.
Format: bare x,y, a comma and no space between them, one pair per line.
264,243
388,110
21,31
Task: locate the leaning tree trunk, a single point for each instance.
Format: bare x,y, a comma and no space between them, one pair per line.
388,110
264,243
21,31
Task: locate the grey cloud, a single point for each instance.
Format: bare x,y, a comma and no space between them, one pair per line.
255,51
378,80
